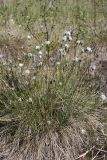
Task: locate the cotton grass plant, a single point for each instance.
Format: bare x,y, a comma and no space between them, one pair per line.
49,102
51,116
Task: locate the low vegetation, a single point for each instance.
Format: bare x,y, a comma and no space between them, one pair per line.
52,106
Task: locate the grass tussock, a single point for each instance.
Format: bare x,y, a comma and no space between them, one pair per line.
51,116
52,98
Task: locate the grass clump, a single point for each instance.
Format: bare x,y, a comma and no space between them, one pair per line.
49,101
50,115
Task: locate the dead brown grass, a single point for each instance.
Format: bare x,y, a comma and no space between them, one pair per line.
64,144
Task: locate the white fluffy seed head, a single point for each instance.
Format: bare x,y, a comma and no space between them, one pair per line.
61,50
37,47
64,38
89,49
66,46
30,100
40,52
40,56
47,42
68,33
103,97
21,64
28,37
76,59
79,42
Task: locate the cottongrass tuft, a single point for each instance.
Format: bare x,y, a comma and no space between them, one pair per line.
47,112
